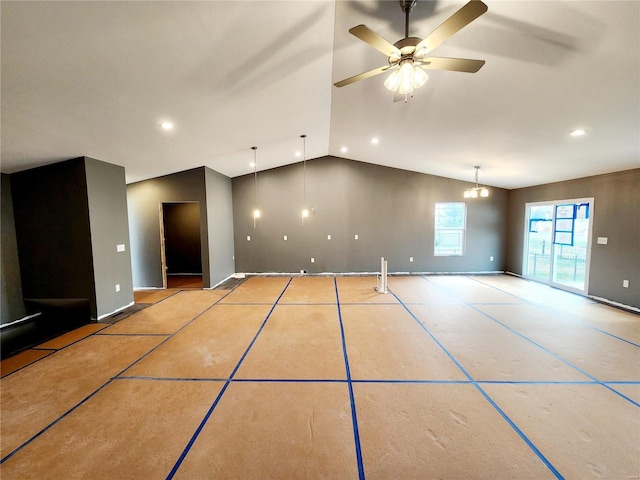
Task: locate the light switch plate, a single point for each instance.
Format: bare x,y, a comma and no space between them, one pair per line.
120,247
603,240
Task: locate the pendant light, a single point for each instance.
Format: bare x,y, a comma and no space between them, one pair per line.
256,210
305,209
477,190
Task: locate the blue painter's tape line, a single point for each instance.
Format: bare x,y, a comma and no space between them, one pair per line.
105,384
574,320
194,437
544,349
537,382
60,418
352,401
288,380
169,379
414,382
511,423
620,394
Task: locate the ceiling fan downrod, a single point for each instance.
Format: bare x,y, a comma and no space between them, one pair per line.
407,6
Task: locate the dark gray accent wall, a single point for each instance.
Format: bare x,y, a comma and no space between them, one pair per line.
12,306
391,211
107,197
220,221
616,216
69,218
52,229
202,185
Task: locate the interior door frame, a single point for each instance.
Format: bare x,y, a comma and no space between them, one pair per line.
525,251
163,253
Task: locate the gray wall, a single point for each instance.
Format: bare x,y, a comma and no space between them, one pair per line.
12,306
616,215
52,230
391,211
220,221
202,185
107,197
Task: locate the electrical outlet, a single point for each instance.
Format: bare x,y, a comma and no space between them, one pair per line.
117,287
411,259
313,260
328,237
248,238
284,237
120,247
355,236
625,283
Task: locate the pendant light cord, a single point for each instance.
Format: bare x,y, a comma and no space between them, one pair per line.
255,174
304,169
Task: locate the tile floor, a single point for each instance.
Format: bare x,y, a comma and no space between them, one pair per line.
456,377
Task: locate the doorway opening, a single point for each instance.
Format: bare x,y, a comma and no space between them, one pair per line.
180,245
557,248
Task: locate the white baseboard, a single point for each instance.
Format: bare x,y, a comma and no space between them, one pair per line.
22,320
115,311
614,304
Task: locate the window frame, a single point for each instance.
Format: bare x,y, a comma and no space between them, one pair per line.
460,231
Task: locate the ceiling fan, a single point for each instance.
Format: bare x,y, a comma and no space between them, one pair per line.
408,56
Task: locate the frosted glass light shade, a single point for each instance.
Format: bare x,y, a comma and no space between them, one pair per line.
420,77
393,81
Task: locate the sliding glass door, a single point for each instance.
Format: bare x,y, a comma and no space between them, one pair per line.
558,243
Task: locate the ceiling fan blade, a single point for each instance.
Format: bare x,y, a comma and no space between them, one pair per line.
367,35
362,76
453,24
455,64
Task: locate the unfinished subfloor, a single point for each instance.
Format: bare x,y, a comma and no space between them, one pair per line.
456,377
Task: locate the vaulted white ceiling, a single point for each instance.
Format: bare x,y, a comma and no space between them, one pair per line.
97,78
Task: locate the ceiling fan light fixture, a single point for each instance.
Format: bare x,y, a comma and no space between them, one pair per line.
393,81
406,79
420,77
420,53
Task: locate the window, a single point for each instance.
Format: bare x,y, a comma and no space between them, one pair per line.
451,219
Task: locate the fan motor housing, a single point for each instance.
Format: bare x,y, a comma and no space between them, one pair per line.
407,42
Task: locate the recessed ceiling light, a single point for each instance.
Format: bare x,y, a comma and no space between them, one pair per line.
344,149
578,132
252,164
166,125
297,154
375,140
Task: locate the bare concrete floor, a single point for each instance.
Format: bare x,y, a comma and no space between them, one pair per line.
456,377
